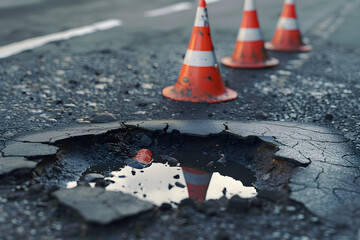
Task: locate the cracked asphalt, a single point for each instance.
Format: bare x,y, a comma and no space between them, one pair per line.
325,182
120,73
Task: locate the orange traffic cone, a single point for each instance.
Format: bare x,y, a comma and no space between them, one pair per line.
199,79
249,49
287,36
197,183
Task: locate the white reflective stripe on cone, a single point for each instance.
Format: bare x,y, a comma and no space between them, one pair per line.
200,58
289,1
288,23
249,5
197,179
249,34
201,19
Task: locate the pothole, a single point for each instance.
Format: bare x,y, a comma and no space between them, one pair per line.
292,167
182,166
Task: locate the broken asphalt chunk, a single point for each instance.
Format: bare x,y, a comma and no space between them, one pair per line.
20,149
99,206
9,164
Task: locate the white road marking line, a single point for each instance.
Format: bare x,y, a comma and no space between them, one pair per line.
18,47
328,26
178,7
174,8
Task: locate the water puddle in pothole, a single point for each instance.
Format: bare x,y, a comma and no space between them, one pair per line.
161,183
205,168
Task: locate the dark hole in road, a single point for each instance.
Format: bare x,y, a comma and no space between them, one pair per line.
201,167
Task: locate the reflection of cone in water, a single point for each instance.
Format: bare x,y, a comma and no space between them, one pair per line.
197,183
249,48
199,79
287,36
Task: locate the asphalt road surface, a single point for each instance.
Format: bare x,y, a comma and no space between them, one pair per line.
159,40
121,71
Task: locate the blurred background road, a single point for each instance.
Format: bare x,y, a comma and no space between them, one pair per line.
20,19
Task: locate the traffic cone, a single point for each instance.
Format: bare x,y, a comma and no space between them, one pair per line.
249,48
287,35
199,79
197,183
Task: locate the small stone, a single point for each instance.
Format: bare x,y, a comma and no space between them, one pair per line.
329,117
276,235
180,185
92,177
144,139
237,204
177,176
266,176
261,115
210,164
316,220
208,208
222,160
290,209
69,105
140,112
187,202
102,183
103,118
300,217
170,186
147,86
165,207
83,183
173,162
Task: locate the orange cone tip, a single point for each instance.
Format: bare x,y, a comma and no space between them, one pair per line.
249,49
199,79
144,156
287,37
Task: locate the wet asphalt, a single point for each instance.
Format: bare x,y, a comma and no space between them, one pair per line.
121,72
